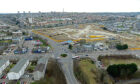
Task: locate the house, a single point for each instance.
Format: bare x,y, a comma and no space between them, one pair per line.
38,42
16,40
3,64
17,33
40,69
18,70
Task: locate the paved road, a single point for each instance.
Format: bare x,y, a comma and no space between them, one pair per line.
66,63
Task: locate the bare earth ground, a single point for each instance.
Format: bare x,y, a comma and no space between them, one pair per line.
84,31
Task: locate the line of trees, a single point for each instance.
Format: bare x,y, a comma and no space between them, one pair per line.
122,70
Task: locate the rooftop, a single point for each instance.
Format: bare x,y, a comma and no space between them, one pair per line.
40,67
2,62
43,60
19,65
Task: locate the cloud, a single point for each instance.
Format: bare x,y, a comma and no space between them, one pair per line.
7,6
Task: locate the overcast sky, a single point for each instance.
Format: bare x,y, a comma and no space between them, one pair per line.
12,6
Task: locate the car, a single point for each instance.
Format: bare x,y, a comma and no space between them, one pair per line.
1,76
74,57
86,55
4,77
3,83
58,57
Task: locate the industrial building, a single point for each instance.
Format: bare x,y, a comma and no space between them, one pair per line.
18,70
40,68
3,64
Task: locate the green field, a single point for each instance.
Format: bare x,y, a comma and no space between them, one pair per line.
87,73
89,69
110,61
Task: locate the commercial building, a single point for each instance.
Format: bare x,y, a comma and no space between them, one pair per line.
18,70
3,64
40,68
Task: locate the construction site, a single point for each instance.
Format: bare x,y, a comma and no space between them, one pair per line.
89,32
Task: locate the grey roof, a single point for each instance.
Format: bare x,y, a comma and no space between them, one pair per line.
19,65
40,67
2,62
43,60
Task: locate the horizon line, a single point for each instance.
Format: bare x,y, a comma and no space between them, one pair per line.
66,12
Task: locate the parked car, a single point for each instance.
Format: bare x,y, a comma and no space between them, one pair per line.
86,55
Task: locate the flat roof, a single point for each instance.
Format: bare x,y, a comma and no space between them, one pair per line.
2,62
19,65
40,67
43,60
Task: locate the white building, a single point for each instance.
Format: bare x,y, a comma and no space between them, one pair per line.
138,16
18,70
3,64
17,33
40,68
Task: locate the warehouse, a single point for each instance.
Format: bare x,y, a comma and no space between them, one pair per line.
18,70
40,68
3,64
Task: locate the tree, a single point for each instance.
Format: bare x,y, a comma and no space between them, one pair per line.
122,70
125,46
70,47
122,47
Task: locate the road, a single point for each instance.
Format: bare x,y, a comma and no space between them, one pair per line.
66,63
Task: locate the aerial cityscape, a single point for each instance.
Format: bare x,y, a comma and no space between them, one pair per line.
86,42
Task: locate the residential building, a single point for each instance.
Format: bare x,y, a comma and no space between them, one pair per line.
3,64
18,70
40,68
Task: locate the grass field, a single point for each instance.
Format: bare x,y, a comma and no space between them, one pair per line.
88,68
87,73
110,61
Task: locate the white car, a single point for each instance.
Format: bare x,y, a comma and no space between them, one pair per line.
75,57
58,57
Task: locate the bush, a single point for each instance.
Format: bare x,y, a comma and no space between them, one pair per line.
64,55
70,47
122,70
122,47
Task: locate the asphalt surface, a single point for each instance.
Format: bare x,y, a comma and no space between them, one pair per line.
66,63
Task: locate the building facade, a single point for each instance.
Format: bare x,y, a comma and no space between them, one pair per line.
40,68
18,70
3,64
